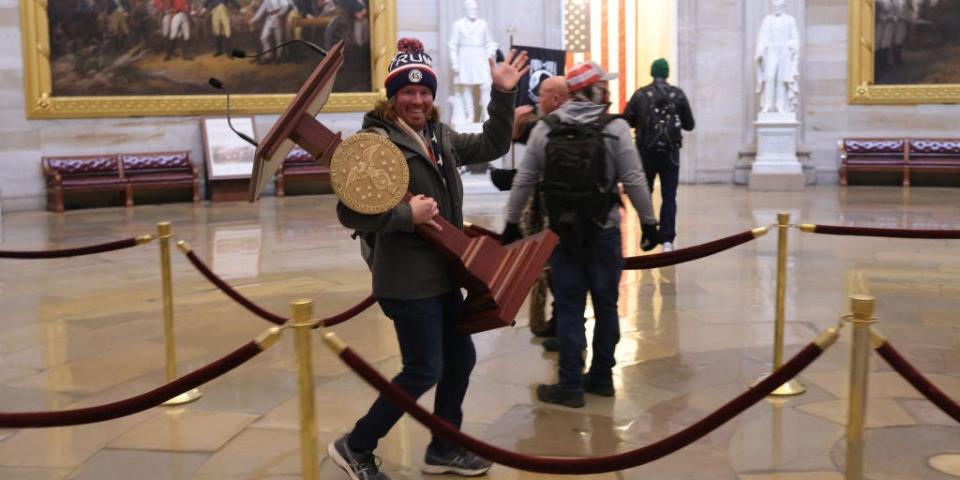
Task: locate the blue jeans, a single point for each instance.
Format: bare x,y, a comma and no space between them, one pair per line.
667,165
571,277
432,354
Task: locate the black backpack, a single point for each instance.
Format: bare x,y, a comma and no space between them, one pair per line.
661,122
576,196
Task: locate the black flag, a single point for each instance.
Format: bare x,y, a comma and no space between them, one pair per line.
544,63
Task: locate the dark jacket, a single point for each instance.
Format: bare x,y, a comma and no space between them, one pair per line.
622,163
641,100
404,266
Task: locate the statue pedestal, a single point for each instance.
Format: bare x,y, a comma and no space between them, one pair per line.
777,167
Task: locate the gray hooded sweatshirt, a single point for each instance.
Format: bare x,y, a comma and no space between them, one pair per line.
623,164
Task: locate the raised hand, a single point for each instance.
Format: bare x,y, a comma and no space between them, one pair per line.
522,111
507,74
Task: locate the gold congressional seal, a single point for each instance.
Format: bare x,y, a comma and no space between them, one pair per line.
369,173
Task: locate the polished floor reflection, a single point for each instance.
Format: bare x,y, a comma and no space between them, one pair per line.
84,331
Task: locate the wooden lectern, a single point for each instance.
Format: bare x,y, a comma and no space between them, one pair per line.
497,278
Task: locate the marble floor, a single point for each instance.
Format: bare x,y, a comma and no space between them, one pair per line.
84,331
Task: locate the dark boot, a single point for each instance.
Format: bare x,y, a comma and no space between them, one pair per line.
558,396
598,385
186,50
219,46
171,47
550,330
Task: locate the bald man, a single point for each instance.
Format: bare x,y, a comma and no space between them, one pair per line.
553,93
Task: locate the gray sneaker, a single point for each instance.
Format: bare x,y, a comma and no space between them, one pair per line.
454,460
358,465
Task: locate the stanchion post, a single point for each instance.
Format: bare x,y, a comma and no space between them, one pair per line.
793,386
862,307
164,234
302,311
783,221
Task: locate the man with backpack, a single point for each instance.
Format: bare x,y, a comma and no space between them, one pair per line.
581,155
659,111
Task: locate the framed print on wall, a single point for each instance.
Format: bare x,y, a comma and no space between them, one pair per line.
121,58
227,156
904,52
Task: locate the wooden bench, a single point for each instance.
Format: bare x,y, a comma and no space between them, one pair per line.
160,170
300,166
904,156
121,173
874,155
934,155
86,173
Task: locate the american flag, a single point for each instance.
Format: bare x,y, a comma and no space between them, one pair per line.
624,36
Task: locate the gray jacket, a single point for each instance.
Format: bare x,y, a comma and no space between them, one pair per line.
404,266
623,164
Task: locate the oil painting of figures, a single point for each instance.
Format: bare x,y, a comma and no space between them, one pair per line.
917,42
172,47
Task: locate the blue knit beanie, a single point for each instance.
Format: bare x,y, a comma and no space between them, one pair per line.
410,66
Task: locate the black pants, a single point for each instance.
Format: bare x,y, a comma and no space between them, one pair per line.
667,165
432,354
571,277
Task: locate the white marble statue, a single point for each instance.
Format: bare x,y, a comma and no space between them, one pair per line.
777,61
471,45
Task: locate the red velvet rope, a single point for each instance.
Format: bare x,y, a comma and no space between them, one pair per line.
920,382
582,466
72,252
885,232
132,405
348,313
264,313
643,262
235,295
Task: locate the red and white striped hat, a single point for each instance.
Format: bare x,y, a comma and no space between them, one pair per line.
586,74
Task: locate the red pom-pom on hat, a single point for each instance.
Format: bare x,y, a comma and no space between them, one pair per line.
409,45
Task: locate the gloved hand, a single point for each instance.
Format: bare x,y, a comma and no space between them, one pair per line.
650,238
511,233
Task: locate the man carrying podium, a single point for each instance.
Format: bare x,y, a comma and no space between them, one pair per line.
412,281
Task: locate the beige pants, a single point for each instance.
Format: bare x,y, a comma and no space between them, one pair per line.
292,18
220,16
118,24
531,222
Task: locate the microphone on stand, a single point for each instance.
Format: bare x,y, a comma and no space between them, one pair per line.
236,53
216,83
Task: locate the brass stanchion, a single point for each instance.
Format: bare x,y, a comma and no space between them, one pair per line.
862,306
302,310
793,386
164,234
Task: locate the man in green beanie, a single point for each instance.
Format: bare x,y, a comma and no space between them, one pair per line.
658,112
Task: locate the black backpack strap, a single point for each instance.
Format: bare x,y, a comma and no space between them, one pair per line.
552,121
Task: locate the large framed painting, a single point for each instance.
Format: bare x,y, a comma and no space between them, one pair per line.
119,58
904,51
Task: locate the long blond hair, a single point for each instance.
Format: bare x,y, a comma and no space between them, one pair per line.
387,110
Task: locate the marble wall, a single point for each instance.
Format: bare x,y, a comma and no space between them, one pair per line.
715,39
716,35
26,141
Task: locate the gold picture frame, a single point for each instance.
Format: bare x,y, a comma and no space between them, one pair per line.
41,104
861,88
